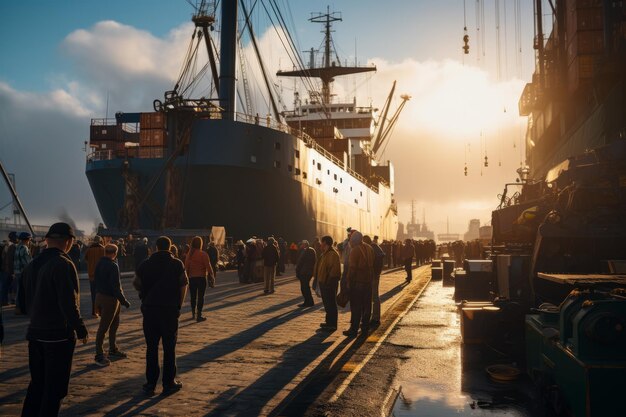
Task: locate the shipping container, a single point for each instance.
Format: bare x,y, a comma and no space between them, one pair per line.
585,43
153,120
579,20
152,137
99,133
580,72
151,152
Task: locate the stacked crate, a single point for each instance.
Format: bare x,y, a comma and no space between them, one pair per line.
105,137
152,135
585,40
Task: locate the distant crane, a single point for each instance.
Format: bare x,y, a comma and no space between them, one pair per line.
16,199
383,131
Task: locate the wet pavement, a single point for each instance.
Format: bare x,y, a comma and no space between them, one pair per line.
442,377
421,368
251,356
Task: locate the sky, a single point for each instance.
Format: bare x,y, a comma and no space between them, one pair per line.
61,59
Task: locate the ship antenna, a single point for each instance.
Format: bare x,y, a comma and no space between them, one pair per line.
106,113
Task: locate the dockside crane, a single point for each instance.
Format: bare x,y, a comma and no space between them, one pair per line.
384,129
16,198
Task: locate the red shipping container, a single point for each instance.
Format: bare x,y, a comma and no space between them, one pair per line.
153,120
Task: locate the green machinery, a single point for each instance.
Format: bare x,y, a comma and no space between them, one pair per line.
577,351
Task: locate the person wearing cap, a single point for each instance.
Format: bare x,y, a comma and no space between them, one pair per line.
8,255
359,284
92,256
109,296
52,295
162,284
270,260
20,260
327,274
304,272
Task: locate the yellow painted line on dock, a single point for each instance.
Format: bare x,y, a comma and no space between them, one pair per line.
377,345
349,367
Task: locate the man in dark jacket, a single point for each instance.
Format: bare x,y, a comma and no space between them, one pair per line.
360,273
270,259
109,296
52,299
162,284
141,252
379,257
214,256
408,252
304,272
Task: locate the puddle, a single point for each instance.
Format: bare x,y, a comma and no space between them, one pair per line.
442,377
426,399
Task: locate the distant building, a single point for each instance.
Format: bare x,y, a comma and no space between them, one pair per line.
473,230
485,233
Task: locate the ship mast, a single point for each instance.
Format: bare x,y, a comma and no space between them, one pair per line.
329,70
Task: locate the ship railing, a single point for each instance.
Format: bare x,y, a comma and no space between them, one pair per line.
103,122
101,155
272,123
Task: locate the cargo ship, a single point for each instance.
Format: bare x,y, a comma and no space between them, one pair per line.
194,163
558,235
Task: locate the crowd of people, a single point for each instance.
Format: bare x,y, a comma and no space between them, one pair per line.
43,283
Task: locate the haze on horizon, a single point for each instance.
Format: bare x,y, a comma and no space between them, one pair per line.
460,111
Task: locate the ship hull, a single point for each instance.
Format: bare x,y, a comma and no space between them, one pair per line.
253,180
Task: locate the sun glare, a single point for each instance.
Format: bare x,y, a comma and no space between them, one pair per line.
462,101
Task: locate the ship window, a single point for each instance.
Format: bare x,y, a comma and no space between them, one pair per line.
335,177
356,201
350,188
314,162
277,145
319,166
304,175
361,193
276,164
289,168
297,153
253,158
297,171
341,180
328,171
318,181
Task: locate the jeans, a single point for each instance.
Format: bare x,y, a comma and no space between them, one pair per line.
50,366
197,287
109,308
305,288
329,298
360,305
160,323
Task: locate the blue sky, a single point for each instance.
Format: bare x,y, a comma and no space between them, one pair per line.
59,61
